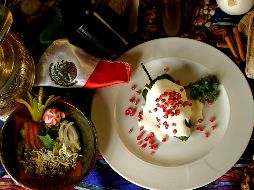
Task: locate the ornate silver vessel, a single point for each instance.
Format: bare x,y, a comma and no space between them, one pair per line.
17,69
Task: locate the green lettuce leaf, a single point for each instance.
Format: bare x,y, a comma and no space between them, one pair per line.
47,141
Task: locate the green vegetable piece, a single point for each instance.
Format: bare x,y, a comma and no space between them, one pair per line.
47,141
35,106
57,147
205,89
163,76
183,138
75,147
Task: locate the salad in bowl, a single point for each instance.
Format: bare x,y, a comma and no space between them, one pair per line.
48,144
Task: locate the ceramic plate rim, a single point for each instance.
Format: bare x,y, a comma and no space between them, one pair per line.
217,161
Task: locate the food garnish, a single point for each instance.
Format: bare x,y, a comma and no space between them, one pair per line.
35,106
205,89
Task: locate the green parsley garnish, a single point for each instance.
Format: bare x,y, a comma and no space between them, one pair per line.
205,89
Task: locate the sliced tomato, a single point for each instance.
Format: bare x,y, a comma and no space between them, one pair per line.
31,135
27,135
36,131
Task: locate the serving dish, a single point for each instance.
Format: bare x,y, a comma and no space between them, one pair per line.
9,140
176,165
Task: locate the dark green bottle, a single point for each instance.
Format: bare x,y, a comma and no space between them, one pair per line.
95,27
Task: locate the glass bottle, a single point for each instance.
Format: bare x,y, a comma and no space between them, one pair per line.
95,27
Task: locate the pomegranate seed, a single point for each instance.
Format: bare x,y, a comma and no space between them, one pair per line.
200,128
140,135
153,152
173,124
171,102
206,134
171,114
177,112
133,111
140,142
212,119
130,131
152,134
153,146
164,139
214,127
137,101
155,109
132,100
210,102
172,107
174,131
165,123
200,120
133,87
141,128
165,116
130,111
163,100
185,103
144,145
127,112
151,141
138,91
166,69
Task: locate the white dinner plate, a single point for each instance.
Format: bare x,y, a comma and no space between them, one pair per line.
176,164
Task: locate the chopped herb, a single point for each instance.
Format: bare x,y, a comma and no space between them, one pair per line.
205,89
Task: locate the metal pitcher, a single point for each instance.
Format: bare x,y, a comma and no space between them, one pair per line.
17,69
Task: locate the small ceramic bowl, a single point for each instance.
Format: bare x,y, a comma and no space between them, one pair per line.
9,140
